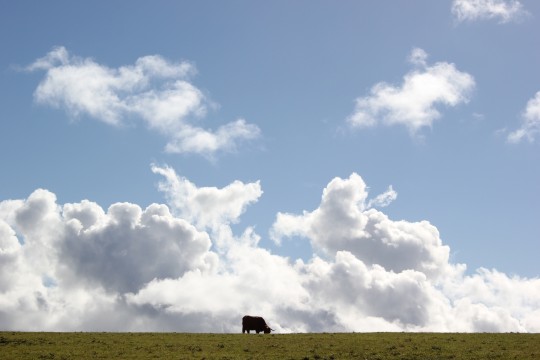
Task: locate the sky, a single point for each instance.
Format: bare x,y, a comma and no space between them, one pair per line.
351,166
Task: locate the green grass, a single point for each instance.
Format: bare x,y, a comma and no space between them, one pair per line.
20,345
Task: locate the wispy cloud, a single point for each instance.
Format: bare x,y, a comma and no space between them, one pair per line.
152,89
530,126
181,267
413,104
384,199
502,10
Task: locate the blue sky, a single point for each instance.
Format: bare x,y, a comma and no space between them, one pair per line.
433,104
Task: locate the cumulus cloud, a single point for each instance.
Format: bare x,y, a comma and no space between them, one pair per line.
206,207
502,10
414,103
344,222
9,249
153,89
181,267
530,126
129,247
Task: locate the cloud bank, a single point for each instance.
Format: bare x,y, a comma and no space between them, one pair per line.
414,103
181,267
153,89
530,126
502,10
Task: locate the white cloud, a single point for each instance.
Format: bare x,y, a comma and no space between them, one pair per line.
76,266
193,139
404,299
9,249
418,57
383,199
343,222
530,126
503,10
413,104
206,207
490,301
117,250
132,247
153,89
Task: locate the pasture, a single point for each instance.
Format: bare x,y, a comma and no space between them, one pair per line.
21,345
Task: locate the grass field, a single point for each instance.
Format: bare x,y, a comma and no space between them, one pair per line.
20,345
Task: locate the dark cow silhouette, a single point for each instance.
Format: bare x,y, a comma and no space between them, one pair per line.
256,323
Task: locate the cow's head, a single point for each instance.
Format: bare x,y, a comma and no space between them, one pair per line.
267,330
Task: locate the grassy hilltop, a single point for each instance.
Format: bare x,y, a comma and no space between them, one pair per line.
18,345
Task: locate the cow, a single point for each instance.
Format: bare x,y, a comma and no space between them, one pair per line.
256,323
